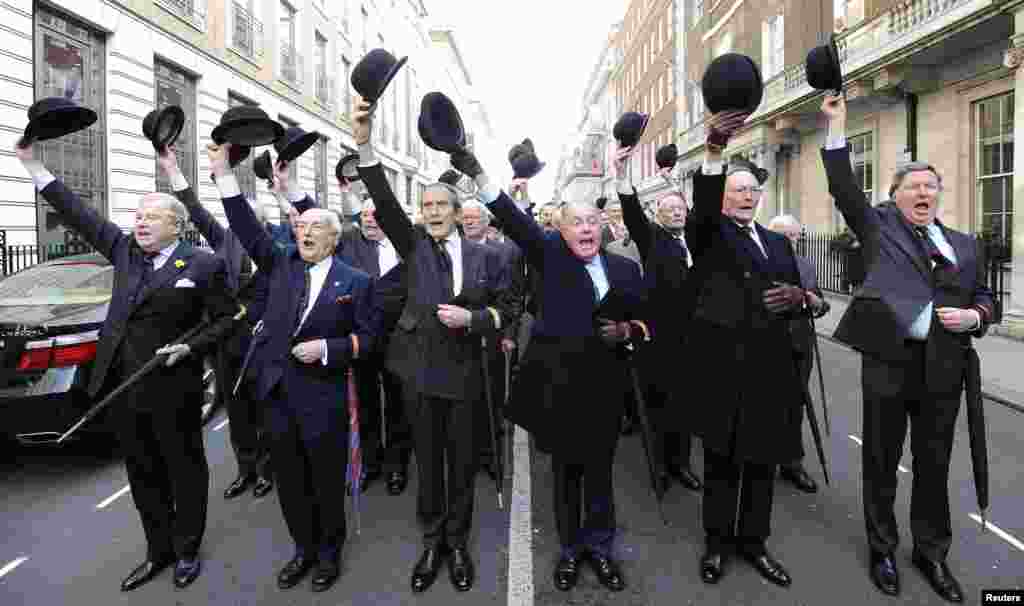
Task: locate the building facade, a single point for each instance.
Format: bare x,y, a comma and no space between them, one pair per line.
293,58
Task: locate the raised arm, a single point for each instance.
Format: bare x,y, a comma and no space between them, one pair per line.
839,171
205,222
254,237
102,234
520,227
637,224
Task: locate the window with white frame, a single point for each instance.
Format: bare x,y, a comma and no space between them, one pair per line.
862,156
772,46
993,126
697,12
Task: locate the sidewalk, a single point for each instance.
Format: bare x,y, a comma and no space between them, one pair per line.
1002,359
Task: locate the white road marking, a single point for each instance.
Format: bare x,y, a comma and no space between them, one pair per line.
999,532
221,425
903,469
107,501
520,530
861,443
12,565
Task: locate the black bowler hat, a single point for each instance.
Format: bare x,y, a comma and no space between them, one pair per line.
732,82
163,126
823,69
601,202
247,125
450,177
346,168
440,125
55,117
524,161
262,167
294,143
667,156
630,128
374,72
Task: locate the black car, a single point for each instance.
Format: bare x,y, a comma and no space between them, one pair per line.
50,320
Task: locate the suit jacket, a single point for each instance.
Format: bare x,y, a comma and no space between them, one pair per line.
316,394
626,247
513,263
733,337
899,282
430,358
570,382
141,320
360,252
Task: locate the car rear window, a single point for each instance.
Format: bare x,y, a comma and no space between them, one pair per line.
60,284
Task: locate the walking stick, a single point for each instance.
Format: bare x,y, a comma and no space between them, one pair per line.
507,438
499,478
821,379
145,370
647,436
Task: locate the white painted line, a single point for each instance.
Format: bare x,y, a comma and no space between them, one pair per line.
857,440
903,469
999,532
221,425
520,528
12,565
107,501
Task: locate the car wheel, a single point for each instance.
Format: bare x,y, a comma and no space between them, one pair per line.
210,391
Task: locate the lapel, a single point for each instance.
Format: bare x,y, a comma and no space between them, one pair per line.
741,251
337,282
183,252
371,258
905,238
961,244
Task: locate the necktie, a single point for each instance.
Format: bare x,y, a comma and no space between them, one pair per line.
934,254
686,252
748,231
444,262
147,269
304,299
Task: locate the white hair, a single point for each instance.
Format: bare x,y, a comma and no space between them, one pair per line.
260,210
327,216
485,213
577,205
168,202
784,221
671,194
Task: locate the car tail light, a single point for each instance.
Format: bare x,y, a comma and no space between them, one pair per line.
65,350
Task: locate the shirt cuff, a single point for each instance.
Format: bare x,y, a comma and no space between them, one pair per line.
296,196
712,167
496,316
40,176
835,142
487,192
624,187
366,155
323,352
178,181
977,319
228,186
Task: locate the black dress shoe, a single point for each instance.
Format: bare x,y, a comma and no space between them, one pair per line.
769,568
884,573
239,486
425,572
293,571
396,482
186,571
686,477
460,569
940,577
567,573
607,572
712,567
798,477
325,576
262,487
144,572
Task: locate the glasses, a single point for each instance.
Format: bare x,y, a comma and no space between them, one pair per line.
930,188
152,217
754,191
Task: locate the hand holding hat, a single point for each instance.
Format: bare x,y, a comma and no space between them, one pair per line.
620,159
362,121
466,163
219,155
723,125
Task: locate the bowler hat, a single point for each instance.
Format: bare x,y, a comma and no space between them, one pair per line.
450,177
823,69
374,72
601,202
667,156
246,125
262,167
732,82
55,117
630,128
294,143
440,125
346,168
163,126
524,161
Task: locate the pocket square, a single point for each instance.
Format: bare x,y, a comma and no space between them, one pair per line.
184,283
344,299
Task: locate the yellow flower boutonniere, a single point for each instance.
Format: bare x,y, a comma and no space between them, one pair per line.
179,264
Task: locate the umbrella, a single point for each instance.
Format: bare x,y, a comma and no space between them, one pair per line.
508,424
248,356
976,431
815,430
821,379
354,472
647,436
147,368
499,476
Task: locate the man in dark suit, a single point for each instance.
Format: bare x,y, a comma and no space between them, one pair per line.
455,296
746,285
319,317
666,263
163,288
573,378
250,287
802,331
923,299
367,248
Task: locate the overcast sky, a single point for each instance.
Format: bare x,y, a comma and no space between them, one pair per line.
529,60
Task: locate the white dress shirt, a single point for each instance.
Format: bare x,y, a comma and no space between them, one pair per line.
164,255
682,241
317,276
453,244
387,256
753,236
598,276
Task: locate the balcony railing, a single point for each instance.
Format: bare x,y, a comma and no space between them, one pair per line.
897,28
193,11
325,89
291,65
246,32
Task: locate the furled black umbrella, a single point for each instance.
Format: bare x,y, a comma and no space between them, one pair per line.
647,436
499,473
821,378
812,420
976,431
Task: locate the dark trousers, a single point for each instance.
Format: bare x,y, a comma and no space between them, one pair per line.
245,417
443,438
588,486
737,502
168,474
804,365
674,446
893,394
310,475
382,419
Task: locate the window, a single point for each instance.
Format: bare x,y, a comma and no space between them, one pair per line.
323,83
772,46
994,176
243,172
862,156
246,30
346,93
320,152
697,12
291,61
174,87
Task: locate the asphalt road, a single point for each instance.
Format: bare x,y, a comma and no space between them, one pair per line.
77,552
